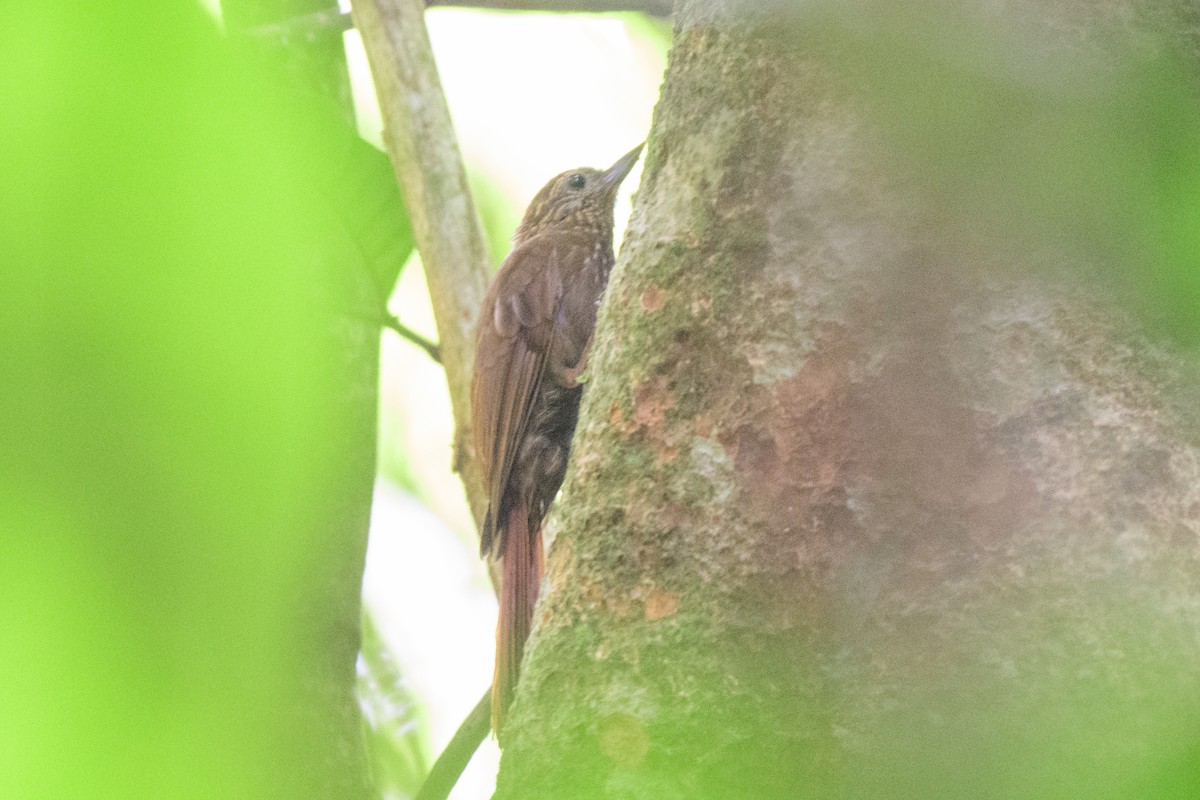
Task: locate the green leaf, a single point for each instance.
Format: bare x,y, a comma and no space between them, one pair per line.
396,737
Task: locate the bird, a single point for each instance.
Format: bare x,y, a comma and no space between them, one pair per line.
534,333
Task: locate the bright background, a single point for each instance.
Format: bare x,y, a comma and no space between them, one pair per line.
531,95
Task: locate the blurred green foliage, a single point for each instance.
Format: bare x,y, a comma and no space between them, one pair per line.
166,406
395,732
656,31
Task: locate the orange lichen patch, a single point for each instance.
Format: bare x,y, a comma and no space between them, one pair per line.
651,400
623,426
653,298
623,738
702,423
664,452
792,449
660,604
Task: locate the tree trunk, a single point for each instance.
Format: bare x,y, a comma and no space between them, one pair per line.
875,490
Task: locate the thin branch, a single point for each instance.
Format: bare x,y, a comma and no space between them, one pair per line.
430,348
658,8
308,26
449,766
303,27
425,155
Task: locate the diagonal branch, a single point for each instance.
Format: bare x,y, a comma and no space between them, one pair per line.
431,349
424,152
444,773
332,19
660,8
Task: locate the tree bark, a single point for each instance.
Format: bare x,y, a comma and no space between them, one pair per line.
429,169
876,492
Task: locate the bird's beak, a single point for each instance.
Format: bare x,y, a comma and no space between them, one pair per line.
617,172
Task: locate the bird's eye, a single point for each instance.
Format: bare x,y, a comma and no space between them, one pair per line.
576,181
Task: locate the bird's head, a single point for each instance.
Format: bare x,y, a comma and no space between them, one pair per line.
579,197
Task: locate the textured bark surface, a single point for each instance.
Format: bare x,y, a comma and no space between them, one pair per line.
421,142
860,505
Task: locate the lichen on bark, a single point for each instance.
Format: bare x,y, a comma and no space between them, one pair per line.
861,503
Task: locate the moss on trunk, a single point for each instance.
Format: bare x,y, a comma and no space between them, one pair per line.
862,502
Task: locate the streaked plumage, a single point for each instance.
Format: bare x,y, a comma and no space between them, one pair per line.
535,328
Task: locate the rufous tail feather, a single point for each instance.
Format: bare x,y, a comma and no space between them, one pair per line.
522,572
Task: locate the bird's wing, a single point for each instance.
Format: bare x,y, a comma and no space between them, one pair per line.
516,334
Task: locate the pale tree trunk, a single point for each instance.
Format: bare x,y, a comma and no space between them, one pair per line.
874,493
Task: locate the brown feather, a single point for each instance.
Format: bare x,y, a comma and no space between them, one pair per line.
535,329
522,576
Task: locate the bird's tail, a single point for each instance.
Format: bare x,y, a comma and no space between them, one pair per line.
518,593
